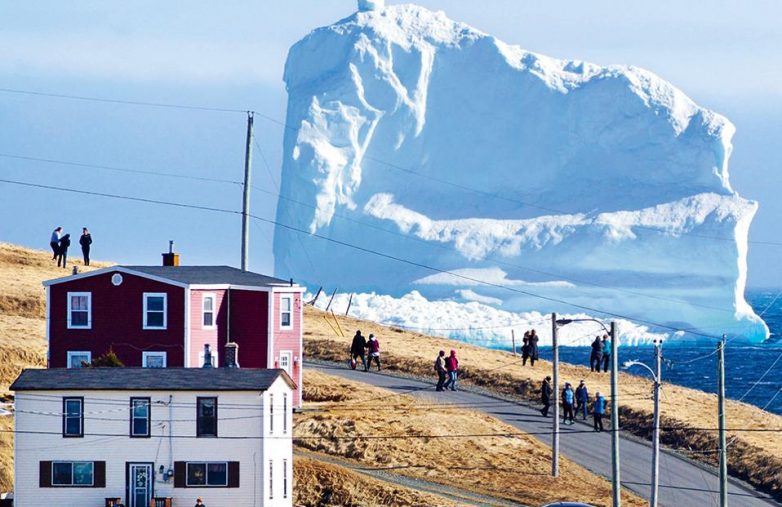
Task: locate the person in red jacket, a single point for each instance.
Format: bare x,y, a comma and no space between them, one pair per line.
452,366
374,351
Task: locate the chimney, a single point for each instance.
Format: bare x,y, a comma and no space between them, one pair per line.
231,355
207,357
171,258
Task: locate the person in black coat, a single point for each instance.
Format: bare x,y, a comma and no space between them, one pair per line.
596,358
357,348
62,251
533,347
85,241
545,396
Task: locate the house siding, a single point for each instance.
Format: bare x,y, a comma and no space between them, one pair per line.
199,336
249,326
288,338
117,313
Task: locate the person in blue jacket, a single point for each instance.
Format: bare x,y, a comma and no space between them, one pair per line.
568,397
599,410
582,399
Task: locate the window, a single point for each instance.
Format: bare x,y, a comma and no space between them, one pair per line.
271,413
153,359
79,359
140,417
73,417
207,474
79,310
286,303
271,479
284,413
215,362
208,321
285,478
154,310
206,417
73,473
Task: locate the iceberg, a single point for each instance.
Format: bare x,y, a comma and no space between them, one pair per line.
489,175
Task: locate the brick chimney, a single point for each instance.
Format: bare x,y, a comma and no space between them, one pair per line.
170,258
231,355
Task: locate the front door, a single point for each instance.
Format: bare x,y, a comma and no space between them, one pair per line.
140,482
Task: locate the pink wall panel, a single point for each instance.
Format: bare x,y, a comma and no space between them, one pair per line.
288,338
199,335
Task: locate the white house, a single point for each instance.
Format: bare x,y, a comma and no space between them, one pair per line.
153,436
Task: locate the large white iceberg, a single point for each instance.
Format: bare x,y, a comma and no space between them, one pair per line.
541,184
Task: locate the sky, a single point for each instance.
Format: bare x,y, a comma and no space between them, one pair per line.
232,55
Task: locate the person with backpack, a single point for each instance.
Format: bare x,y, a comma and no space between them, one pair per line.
568,398
533,347
85,241
596,358
606,353
598,411
582,399
54,241
374,351
452,367
439,367
357,350
525,349
545,396
62,251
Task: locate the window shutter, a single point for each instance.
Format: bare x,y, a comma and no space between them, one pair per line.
180,474
45,474
233,474
99,474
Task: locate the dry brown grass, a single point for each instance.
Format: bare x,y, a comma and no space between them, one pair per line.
514,466
313,481
754,456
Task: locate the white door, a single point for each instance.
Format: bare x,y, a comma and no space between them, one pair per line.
286,361
140,480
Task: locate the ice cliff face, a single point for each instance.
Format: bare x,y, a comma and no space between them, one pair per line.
431,141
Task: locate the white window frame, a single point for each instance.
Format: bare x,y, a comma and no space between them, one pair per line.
206,472
72,353
72,485
215,359
284,413
153,353
213,297
89,310
148,295
290,311
289,355
271,479
271,413
285,478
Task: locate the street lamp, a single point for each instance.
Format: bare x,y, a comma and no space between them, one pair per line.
657,376
615,478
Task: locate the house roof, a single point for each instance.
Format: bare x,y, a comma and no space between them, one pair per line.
149,379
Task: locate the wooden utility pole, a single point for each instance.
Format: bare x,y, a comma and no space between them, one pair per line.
721,415
616,483
656,427
555,398
248,155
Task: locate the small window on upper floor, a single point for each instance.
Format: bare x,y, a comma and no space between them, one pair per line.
140,417
79,359
73,417
151,359
206,417
286,313
208,321
155,310
79,310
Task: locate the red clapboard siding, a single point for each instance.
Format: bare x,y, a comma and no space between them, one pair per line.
249,326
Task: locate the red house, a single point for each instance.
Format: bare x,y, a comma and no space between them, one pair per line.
159,316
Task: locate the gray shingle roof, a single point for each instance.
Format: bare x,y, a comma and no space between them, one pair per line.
148,379
210,275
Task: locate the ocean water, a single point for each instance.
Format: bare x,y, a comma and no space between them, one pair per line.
753,373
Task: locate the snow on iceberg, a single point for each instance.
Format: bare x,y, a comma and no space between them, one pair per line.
552,181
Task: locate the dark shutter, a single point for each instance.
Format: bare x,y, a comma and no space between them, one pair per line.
180,474
99,474
45,474
233,474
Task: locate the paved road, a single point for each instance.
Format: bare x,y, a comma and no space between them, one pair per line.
682,483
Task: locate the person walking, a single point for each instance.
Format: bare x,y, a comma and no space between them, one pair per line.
200,502
582,399
599,410
357,350
85,241
597,355
567,404
452,367
62,251
54,241
545,396
374,351
606,353
439,367
525,349
533,347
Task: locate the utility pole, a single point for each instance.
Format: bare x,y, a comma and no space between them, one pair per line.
656,427
555,396
616,483
721,415
248,155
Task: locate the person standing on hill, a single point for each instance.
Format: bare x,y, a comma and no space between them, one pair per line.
596,358
357,349
374,351
582,399
85,241
533,347
54,242
439,367
599,410
452,367
606,353
62,251
525,349
567,404
545,396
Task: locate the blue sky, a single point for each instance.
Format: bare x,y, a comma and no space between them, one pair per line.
231,54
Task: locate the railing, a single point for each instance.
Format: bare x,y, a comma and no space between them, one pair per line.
160,501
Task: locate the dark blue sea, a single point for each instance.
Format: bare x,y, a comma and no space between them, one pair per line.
753,373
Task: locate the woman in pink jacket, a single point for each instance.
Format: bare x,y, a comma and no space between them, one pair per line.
452,366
